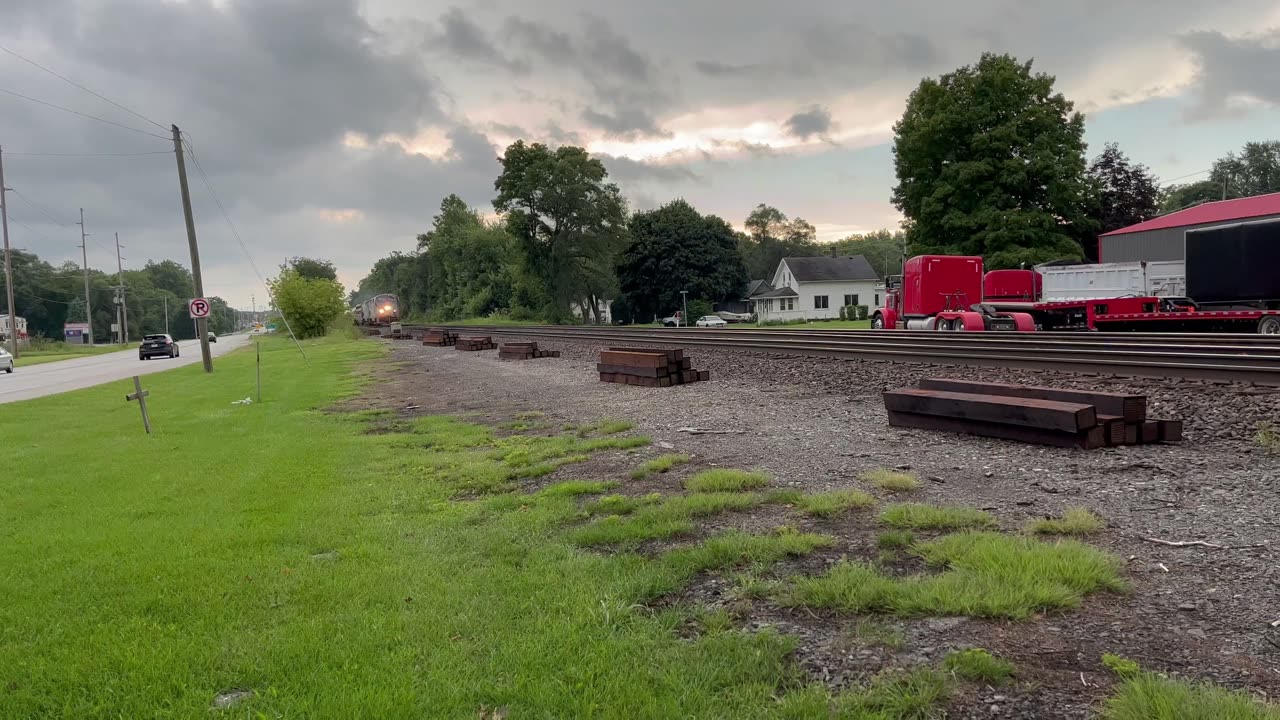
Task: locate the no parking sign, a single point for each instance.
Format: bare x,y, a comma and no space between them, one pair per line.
199,308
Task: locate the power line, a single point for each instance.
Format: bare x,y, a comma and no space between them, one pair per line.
1183,177
39,207
73,82
77,112
90,155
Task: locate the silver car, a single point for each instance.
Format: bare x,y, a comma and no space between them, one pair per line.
6,360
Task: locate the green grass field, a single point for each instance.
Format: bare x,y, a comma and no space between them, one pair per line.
59,351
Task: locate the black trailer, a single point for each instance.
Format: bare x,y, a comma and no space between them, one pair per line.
1235,265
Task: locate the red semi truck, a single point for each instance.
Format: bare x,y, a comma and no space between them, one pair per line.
952,293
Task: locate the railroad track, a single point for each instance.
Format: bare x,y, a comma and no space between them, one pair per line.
1220,358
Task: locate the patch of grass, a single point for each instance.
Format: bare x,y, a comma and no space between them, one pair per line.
620,504
910,695
983,575
1122,666
54,352
749,585
871,632
670,518
1268,437
739,548
660,464
919,516
892,480
574,488
1147,696
604,427
978,665
1075,521
723,480
895,540
835,502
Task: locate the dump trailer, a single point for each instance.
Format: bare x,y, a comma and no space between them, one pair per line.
1235,266
1067,282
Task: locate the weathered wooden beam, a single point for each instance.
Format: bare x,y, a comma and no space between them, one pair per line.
1089,439
1024,412
1133,408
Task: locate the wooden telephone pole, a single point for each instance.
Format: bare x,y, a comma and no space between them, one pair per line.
202,324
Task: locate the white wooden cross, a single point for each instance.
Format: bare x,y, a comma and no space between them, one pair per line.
141,396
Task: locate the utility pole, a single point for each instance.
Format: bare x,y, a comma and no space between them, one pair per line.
84,254
8,264
165,298
202,326
124,305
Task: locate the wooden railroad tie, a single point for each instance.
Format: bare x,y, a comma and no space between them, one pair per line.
472,344
524,351
440,337
648,367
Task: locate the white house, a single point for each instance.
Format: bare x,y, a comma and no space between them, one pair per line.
815,288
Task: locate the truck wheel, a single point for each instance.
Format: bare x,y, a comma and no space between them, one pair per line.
1269,325
877,322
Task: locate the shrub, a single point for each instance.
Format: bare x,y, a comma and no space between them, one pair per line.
844,312
863,311
310,304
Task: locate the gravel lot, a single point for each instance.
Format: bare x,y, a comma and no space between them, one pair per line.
816,424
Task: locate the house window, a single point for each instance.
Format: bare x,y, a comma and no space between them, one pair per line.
850,300
820,302
877,299
785,304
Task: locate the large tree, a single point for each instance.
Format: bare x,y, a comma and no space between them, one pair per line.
313,268
1255,171
1127,193
771,236
882,248
991,162
675,248
469,263
1183,196
570,221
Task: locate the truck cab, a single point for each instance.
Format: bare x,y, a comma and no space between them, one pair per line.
945,292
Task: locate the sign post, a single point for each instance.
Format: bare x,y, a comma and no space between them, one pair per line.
141,396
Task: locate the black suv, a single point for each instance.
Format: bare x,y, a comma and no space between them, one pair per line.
157,346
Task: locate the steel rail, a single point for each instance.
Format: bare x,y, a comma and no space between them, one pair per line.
1096,353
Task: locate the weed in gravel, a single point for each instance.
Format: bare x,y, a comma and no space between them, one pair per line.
978,665
784,496
1148,696
750,586
739,548
920,516
1122,666
573,488
722,480
605,427
620,504
1075,521
892,480
667,519
910,695
984,575
660,464
834,502
895,540
871,632
1268,437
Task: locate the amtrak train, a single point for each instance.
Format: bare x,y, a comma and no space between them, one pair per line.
378,310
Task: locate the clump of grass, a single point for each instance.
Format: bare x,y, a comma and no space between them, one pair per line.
984,575
749,585
739,548
870,632
660,464
892,480
1268,437
605,427
978,665
1147,696
832,503
910,695
620,504
723,480
672,517
1122,666
1075,521
920,516
573,488
895,540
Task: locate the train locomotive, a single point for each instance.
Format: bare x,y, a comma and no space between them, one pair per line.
381,309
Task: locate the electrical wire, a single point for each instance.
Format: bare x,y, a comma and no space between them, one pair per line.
73,82
39,207
85,115
236,234
1184,177
90,155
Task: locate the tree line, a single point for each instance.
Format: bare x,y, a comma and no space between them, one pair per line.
48,296
989,161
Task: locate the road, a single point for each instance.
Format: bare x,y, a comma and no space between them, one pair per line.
59,377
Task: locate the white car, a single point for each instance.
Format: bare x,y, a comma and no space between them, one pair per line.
710,321
6,361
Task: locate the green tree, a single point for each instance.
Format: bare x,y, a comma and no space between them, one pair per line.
310,304
771,236
401,274
1255,171
171,276
882,248
675,248
1181,197
569,220
991,162
313,269
469,263
1127,193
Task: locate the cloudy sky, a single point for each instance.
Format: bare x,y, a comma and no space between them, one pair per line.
333,128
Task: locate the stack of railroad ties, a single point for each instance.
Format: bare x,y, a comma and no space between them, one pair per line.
648,367
1027,413
440,337
472,344
524,351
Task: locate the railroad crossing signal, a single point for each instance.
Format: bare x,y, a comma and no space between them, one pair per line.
199,308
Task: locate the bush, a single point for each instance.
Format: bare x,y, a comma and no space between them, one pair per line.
311,305
862,311
844,312
697,309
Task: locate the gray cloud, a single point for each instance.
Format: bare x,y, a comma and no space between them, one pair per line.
463,38
625,170
814,121
719,69
1233,67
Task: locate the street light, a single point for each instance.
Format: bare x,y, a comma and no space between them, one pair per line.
684,303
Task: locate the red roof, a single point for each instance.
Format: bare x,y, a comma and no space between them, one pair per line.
1210,212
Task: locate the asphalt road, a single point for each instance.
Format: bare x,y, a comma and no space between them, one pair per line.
59,377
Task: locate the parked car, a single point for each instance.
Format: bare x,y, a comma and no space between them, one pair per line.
157,346
212,337
735,317
6,360
672,321
710,321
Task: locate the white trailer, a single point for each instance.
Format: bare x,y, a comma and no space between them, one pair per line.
4,326
1065,283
